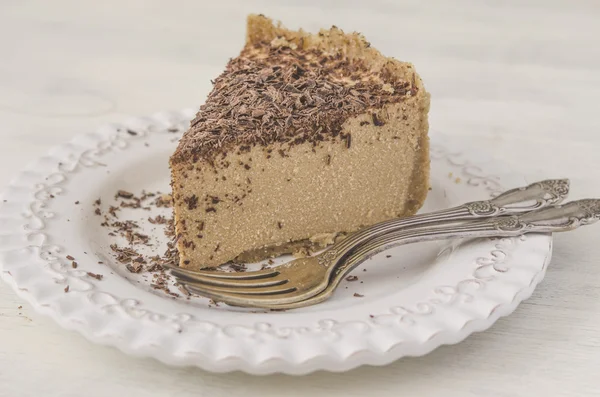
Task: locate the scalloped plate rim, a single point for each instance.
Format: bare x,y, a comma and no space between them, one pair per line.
274,364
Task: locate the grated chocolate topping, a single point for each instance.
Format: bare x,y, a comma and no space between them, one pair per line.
279,92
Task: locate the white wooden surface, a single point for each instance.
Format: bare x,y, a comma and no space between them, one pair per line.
519,79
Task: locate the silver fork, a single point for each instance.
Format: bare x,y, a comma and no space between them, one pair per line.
292,282
559,218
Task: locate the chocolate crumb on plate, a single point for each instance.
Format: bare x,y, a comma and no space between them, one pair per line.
113,210
158,220
357,295
183,290
96,276
237,267
124,194
135,267
351,278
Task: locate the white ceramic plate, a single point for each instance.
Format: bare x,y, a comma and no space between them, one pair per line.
421,297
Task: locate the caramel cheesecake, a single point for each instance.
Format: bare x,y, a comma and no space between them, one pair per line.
304,137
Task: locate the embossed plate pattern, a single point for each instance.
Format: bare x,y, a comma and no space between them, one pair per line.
406,302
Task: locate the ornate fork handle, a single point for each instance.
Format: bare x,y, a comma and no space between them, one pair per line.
557,218
535,196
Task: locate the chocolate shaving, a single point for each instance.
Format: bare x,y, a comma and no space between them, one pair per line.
158,220
135,267
237,267
276,93
124,194
113,210
124,254
96,276
376,121
163,201
192,202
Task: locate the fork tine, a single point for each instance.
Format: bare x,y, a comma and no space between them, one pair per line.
259,274
244,300
234,283
201,289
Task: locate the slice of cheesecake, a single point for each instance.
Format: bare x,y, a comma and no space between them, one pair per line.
303,137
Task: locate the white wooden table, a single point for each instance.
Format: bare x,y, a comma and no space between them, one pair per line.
519,79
